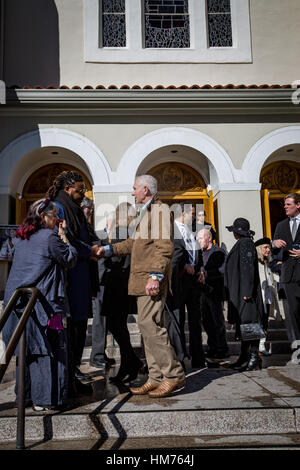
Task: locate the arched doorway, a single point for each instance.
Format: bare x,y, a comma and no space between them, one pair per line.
39,182
179,182
277,180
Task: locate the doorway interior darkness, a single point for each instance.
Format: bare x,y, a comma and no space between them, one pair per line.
277,180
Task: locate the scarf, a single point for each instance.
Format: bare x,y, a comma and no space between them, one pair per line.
73,213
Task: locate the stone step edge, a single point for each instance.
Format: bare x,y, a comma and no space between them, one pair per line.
153,424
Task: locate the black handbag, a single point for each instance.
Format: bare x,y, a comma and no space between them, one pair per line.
251,331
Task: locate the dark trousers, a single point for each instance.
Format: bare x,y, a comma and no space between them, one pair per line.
117,325
76,336
214,324
172,322
248,348
46,377
99,332
292,291
191,299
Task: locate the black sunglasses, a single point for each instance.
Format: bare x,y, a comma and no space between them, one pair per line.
44,205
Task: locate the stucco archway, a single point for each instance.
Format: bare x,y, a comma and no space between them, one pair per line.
262,150
14,152
222,170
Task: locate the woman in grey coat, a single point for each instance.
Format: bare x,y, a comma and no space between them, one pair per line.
40,258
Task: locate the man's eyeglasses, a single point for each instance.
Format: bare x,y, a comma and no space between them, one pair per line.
80,191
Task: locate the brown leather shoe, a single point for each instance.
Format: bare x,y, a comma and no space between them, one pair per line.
165,388
144,389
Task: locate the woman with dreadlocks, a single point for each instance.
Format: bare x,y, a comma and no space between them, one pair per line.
67,192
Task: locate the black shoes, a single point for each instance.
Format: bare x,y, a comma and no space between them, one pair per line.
102,363
255,362
80,375
198,364
127,375
218,354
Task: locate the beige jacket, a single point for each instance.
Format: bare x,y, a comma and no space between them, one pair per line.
151,247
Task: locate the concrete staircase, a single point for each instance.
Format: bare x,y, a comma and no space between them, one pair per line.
277,341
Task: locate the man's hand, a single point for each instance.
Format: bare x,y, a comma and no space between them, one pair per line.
201,277
152,287
279,243
294,253
97,252
189,269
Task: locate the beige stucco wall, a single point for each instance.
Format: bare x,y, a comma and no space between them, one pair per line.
236,139
233,204
275,46
52,50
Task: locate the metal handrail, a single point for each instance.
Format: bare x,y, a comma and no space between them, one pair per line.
18,337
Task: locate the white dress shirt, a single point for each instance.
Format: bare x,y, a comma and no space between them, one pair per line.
292,221
189,241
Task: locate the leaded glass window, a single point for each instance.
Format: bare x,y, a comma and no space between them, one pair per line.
219,23
113,23
166,23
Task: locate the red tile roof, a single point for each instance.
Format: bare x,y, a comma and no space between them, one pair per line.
157,87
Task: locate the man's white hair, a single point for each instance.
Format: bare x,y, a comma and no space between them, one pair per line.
207,232
149,181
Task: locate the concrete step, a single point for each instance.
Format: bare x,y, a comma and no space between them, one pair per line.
215,403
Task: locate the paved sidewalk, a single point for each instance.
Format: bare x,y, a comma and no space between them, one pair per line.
217,405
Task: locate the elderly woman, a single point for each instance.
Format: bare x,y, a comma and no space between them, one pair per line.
40,258
244,296
268,285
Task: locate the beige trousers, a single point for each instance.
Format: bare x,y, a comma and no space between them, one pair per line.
162,361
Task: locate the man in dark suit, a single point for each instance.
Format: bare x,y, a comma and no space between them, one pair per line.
211,279
185,266
287,238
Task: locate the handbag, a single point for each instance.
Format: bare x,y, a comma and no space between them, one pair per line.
251,331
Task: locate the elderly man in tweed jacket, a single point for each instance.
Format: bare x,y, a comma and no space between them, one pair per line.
151,249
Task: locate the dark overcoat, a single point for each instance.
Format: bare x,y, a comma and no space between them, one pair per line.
290,270
115,278
241,279
79,285
39,262
214,269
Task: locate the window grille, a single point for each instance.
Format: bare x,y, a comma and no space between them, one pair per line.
219,23
166,24
113,23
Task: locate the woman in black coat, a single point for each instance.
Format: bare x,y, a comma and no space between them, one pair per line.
117,304
243,289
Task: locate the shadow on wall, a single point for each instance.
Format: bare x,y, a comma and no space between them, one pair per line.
31,43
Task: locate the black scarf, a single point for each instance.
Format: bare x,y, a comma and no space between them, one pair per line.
73,213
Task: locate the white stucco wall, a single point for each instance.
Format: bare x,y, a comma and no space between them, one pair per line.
275,46
53,52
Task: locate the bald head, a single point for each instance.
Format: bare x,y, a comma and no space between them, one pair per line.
204,238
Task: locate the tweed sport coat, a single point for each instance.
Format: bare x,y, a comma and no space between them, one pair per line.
151,248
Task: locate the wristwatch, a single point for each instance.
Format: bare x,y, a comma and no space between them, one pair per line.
154,277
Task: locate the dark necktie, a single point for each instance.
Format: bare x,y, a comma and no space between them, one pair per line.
294,228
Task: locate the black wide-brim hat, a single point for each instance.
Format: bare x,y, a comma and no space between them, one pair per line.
263,241
241,226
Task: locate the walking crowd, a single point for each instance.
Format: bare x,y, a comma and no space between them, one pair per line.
154,263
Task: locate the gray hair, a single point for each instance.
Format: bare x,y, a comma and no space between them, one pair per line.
87,202
149,181
35,208
206,231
